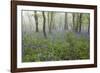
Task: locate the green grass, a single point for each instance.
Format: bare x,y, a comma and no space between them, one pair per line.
41,49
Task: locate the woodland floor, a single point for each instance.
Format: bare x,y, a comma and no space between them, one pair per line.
56,47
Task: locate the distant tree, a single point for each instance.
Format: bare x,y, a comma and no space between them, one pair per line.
77,22
48,15
80,21
36,20
88,23
73,21
44,24
51,22
66,23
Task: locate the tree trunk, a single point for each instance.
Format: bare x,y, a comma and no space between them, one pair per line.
76,28
36,20
48,19
44,25
80,22
73,21
88,24
51,20
66,24
89,28
77,24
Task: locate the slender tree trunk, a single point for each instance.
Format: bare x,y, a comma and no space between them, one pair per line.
51,21
44,25
88,28
36,20
48,19
77,24
66,24
80,22
88,24
73,21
